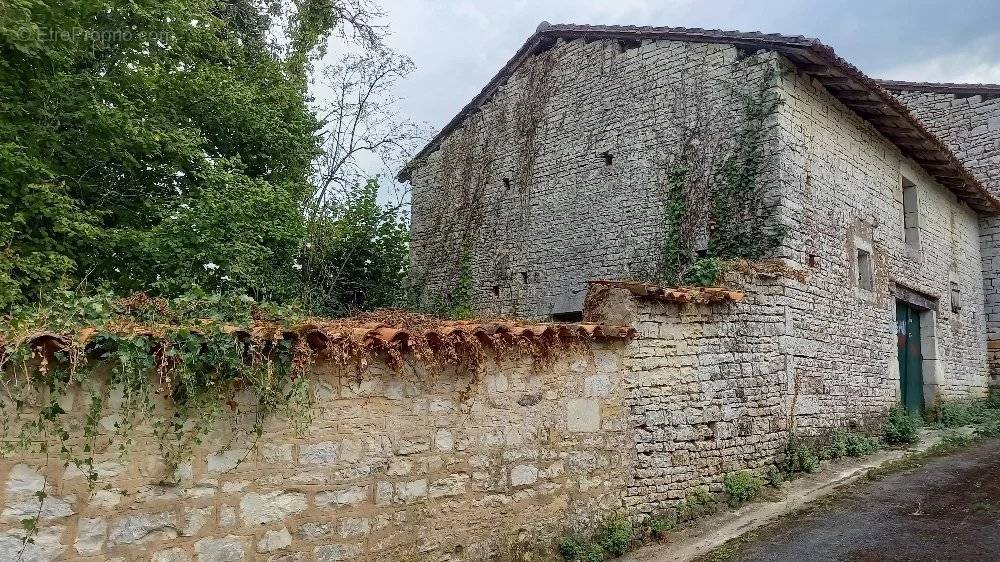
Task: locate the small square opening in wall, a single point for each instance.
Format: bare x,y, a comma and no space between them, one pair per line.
866,277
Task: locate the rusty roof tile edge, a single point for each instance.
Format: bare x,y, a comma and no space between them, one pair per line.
550,32
699,295
939,87
318,338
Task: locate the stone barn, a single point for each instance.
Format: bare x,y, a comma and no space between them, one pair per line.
612,153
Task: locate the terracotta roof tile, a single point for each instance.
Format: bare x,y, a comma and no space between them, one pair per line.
694,295
324,335
940,87
867,97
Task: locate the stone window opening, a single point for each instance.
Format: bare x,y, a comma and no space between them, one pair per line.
524,277
568,316
911,214
956,297
608,158
506,183
866,277
628,44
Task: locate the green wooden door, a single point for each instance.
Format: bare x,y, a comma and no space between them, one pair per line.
911,376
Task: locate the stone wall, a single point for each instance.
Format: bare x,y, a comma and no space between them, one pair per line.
707,393
393,466
842,191
456,465
970,124
559,179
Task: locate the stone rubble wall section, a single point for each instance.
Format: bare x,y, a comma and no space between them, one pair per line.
575,218
971,127
708,393
842,191
391,466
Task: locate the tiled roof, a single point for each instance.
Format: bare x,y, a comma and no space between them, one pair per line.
696,295
940,87
844,81
321,336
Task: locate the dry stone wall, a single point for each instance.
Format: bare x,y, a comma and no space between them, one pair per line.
390,466
970,124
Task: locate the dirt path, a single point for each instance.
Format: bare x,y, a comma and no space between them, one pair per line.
947,509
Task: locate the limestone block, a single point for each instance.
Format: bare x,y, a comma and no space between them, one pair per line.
19,508
24,479
224,461
444,440
90,535
354,495
275,454
227,516
274,540
195,518
45,548
354,527
105,498
583,415
449,486
143,528
383,493
261,509
408,492
351,450
319,453
335,552
314,530
226,549
523,475
597,386
105,470
175,554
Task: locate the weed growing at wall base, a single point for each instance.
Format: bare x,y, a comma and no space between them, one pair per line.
611,540
742,487
799,457
850,444
901,427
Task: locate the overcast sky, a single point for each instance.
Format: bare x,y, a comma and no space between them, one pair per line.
458,45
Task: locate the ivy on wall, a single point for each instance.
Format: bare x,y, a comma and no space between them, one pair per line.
481,177
728,216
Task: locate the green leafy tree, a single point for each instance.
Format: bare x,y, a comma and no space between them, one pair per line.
357,254
149,138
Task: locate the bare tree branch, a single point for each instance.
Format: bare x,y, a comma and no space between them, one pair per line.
361,123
